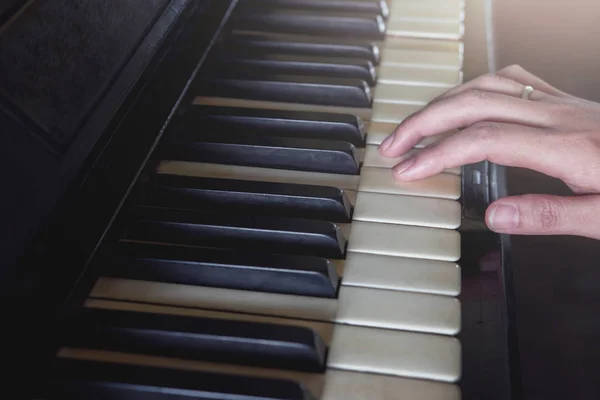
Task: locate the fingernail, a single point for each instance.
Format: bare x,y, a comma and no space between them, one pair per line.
503,217
404,166
386,142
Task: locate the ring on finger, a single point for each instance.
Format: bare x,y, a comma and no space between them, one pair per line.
526,93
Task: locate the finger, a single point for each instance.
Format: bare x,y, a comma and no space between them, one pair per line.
545,215
492,83
505,144
464,110
524,77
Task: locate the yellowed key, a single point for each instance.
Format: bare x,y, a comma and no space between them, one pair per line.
423,58
425,364
449,10
359,306
393,112
418,76
344,385
385,353
410,94
381,180
407,210
423,28
404,241
421,44
401,273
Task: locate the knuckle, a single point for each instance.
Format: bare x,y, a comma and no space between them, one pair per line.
547,214
513,68
485,131
492,78
478,95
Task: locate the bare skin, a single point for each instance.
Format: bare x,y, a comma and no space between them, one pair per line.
553,133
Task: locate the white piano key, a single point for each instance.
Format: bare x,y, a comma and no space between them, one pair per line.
381,180
427,9
323,329
346,385
410,75
315,383
421,44
373,158
378,131
335,336
423,58
401,273
407,210
404,241
427,29
393,112
409,311
406,354
364,113
206,170
355,305
397,93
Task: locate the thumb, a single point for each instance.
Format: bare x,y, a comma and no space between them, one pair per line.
546,215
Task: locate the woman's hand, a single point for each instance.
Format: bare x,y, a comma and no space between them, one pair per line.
551,132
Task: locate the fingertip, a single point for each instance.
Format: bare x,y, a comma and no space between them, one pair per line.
502,217
403,168
385,145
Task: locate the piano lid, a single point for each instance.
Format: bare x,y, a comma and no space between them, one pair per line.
65,67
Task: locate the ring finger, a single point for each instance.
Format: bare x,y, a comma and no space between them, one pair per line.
493,83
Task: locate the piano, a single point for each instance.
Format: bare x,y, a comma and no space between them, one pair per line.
195,207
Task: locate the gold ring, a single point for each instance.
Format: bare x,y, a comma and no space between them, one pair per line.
527,90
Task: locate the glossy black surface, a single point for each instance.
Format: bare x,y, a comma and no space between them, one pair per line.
298,124
237,148
226,268
198,338
370,27
232,63
77,379
557,303
288,88
32,288
266,198
236,230
243,43
364,6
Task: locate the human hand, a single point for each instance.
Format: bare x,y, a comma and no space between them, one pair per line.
551,132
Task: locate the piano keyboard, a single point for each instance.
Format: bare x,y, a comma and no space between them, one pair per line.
272,255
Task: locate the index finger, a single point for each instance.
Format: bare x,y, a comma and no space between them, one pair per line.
463,110
506,144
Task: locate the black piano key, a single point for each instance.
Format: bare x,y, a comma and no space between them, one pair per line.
374,7
315,23
299,154
71,379
290,89
215,340
250,44
252,121
297,65
237,231
267,198
260,272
